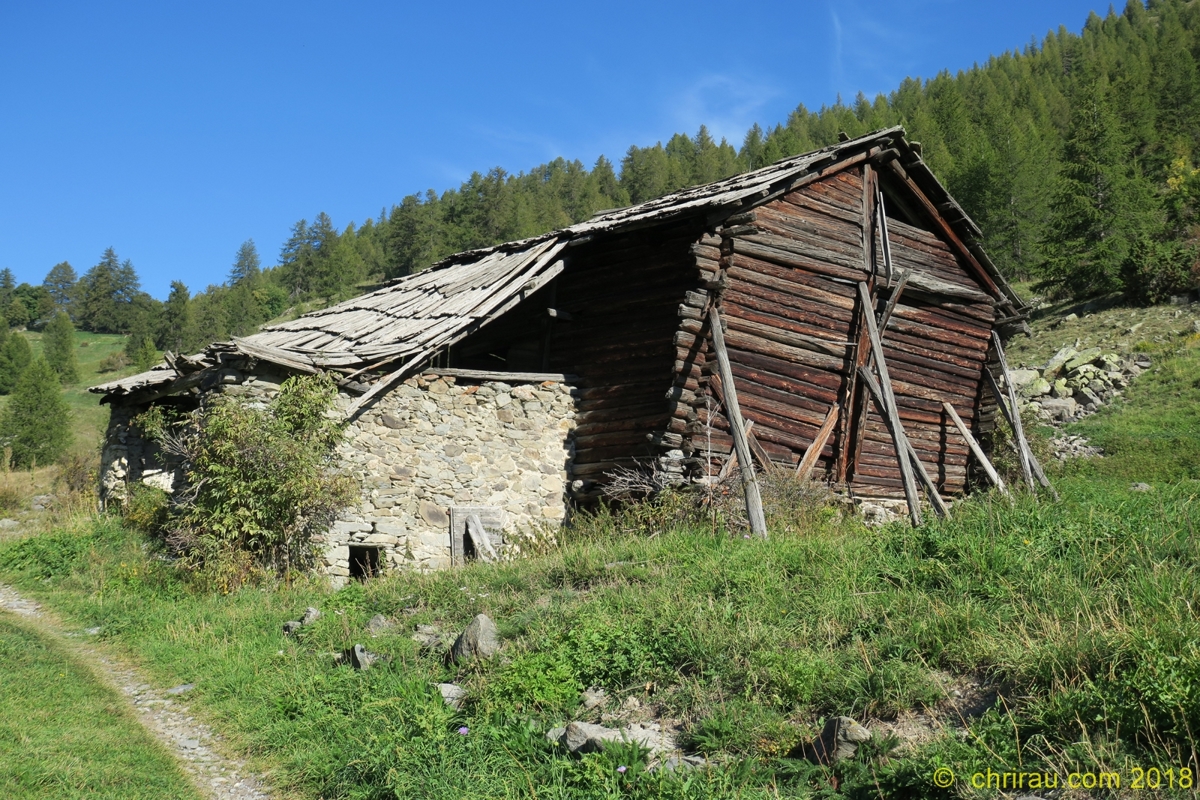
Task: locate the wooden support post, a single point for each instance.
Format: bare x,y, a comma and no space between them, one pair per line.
980,456
732,461
1014,419
805,467
382,385
892,301
1022,445
754,509
935,499
889,401
887,246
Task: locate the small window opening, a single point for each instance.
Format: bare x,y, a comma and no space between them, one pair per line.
364,561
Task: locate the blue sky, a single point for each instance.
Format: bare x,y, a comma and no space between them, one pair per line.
174,132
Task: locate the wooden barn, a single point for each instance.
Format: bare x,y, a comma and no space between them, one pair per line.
830,272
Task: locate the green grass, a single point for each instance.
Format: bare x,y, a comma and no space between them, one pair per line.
64,735
89,419
1081,615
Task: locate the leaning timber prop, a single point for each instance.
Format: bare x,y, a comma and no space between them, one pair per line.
1013,415
805,467
1014,421
935,499
899,439
976,450
754,509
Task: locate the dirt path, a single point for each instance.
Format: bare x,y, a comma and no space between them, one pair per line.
161,711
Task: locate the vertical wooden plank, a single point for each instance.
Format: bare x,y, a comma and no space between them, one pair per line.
754,510
855,399
980,456
898,438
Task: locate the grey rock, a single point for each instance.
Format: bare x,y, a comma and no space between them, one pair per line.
479,639
431,639
1083,357
584,737
182,688
1057,360
93,631
839,739
1023,377
1059,408
311,615
9,523
594,697
1196,326
680,764
360,657
1085,397
291,626
189,744
391,422
1142,487
452,694
1037,387
378,624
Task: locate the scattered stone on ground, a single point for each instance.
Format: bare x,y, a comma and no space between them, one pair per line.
586,737
9,523
379,624
594,697
432,639
311,615
182,688
452,694
43,501
1142,487
192,743
360,657
839,739
1074,446
93,631
479,639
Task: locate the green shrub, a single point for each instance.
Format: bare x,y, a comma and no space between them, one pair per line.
36,422
261,482
147,508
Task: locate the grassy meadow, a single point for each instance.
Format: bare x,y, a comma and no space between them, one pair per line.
1019,636
65,735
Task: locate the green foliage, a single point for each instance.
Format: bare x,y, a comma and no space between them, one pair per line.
60,286
36,422
261,481
58,348
15,356
147,508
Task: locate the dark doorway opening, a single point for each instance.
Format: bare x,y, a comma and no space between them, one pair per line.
364,561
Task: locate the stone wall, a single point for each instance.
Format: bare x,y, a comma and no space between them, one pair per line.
430,446
433,444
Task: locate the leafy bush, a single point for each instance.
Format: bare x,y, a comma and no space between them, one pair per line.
260,481
147,508
114,362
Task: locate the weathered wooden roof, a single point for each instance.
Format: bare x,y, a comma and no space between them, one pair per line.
414,317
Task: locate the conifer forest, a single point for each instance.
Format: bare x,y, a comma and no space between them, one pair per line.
1076,156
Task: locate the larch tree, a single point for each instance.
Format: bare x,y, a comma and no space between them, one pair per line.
58,347
36,422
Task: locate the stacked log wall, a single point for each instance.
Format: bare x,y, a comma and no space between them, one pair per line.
789,271
625,343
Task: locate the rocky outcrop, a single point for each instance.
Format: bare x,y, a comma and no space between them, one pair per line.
1074,383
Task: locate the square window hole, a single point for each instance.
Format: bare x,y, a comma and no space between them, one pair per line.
364,561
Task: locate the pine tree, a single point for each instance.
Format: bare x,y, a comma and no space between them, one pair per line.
246,266
58,346
36,423
14,358
60,284
176,318
146,355
1101,204
17,313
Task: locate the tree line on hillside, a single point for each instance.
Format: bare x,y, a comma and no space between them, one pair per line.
1075,156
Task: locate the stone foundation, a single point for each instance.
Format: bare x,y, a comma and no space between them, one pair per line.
427,455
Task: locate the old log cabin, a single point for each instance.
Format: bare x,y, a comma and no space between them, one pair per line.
504,381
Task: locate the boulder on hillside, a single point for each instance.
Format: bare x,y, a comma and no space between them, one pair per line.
480,639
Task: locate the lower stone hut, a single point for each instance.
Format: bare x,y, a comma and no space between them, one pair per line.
502,385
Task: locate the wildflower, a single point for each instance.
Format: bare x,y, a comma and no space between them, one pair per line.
621,769
464,730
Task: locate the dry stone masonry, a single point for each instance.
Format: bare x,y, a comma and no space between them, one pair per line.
427,455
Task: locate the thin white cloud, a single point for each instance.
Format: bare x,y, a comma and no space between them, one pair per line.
727,104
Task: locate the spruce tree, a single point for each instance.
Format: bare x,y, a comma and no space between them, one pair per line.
58,345
15,356
36,423
17,313
60,283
